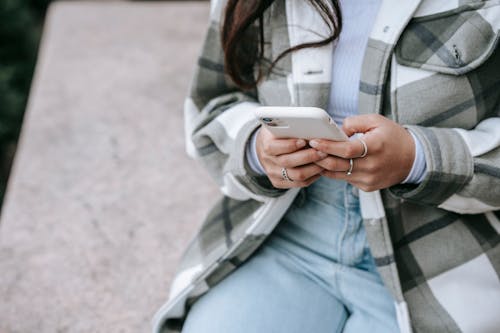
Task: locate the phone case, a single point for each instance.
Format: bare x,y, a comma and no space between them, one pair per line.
299,122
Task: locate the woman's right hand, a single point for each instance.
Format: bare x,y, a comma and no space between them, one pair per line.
275,154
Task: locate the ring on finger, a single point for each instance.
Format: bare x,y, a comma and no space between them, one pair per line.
284,175
365,147
351,166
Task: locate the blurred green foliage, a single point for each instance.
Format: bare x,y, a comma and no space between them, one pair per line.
20,29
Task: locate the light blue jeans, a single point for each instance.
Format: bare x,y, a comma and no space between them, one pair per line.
314,273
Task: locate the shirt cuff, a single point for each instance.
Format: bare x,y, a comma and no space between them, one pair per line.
419,168
252,157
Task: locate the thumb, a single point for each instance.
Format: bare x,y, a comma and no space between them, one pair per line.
360,124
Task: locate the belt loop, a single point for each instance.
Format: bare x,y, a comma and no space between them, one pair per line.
355,191
301,198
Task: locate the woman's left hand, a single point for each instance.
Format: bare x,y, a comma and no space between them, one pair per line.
389,158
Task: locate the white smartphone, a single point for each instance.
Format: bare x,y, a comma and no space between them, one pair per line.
299,122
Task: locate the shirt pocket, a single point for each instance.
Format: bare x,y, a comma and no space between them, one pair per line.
452,42
445,68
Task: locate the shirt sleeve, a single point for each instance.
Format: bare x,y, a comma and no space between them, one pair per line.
419,168
252,157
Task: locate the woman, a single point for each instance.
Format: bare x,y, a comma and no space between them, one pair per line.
396,230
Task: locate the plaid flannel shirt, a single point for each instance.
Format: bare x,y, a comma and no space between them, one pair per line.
430,65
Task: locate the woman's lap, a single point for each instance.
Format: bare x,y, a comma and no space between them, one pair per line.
273,292
266,294
314,273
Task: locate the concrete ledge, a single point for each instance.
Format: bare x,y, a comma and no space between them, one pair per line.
102,198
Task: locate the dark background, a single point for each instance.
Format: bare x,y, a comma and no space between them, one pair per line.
21,24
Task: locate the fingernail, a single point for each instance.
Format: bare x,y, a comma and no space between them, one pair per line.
300,143
322,154
313,143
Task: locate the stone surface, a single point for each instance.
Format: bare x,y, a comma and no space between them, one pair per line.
103,199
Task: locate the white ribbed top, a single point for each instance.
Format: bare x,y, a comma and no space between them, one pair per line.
358,17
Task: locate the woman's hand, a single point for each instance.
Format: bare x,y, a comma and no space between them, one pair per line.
275,154
390,153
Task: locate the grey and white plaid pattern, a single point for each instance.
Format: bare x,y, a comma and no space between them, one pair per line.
432,66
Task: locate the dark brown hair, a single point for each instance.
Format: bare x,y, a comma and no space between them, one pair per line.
243,38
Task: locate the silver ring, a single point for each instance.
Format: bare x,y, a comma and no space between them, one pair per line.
284,174
365,147
351,165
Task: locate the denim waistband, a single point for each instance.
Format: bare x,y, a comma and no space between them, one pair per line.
325,221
